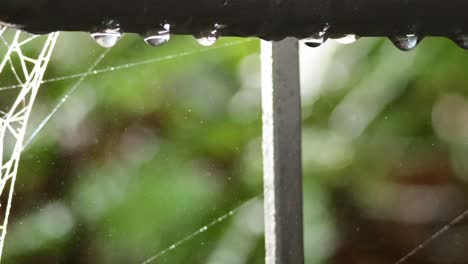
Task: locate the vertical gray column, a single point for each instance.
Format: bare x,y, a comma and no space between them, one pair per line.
282,165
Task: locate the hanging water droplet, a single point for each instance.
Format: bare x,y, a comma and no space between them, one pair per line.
405,42
106,39
109,35
209,37
461,40
159,36
348,39
318,38
315,42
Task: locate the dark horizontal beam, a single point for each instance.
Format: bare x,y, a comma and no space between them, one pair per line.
268,19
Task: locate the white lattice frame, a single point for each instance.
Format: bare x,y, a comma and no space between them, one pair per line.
15,120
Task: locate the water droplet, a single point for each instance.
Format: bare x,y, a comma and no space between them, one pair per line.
209,37
314,42
318,38
172,247
109,35
106,39
203,229
348,39
159,37
405,42
461,40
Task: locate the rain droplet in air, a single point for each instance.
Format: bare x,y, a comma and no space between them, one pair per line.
405,42
109,36
209,37
159,37
348,39
461,40
318,38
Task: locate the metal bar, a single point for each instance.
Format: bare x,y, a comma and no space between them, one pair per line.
282,163
266,19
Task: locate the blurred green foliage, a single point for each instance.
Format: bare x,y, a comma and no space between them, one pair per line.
137,158
141,157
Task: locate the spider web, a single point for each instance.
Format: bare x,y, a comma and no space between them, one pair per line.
21,75
25,67
37,81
